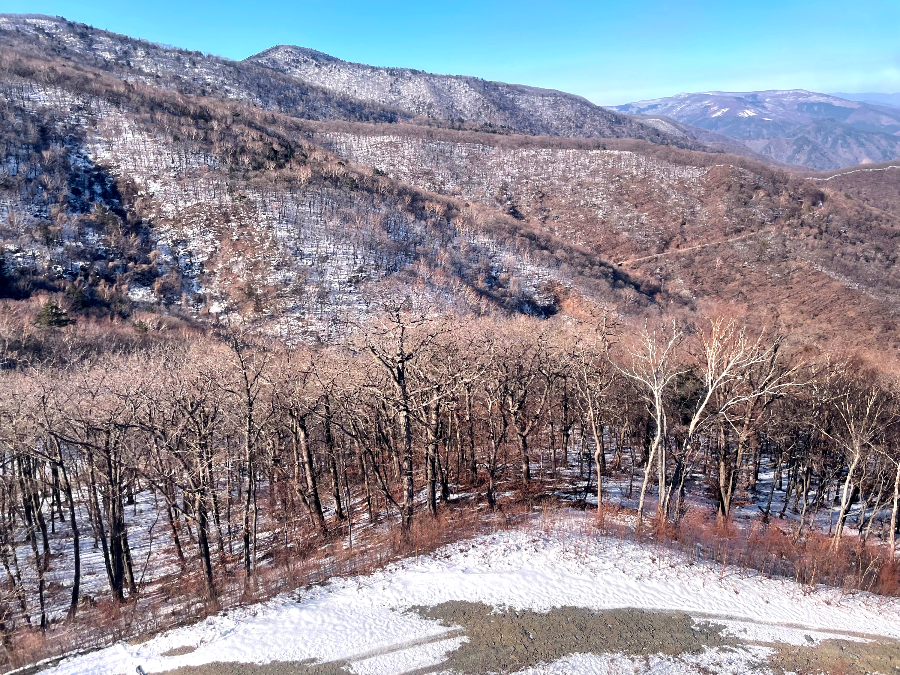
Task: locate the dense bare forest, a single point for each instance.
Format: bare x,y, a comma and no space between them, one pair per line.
134,456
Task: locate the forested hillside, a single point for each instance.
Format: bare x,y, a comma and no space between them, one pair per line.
877,186
799,253
255,333
310,85
466,101
125,192
182,70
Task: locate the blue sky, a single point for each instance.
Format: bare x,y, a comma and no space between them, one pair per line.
609,52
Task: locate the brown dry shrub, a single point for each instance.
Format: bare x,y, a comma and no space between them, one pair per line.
30,646
888,580
810,560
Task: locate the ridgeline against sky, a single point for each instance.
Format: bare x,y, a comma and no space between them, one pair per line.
609,52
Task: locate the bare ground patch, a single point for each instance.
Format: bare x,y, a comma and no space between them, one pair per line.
274,668
180,651
508,640
838,657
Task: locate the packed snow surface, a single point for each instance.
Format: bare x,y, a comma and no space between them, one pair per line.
367,622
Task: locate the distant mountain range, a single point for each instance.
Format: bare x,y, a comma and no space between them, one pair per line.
794,126
873,98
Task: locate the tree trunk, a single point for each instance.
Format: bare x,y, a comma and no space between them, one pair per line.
203,544
431,450
648,469
115,582
846,496
407,467
76,541
332,464
526,460
246,524
893,534
303,456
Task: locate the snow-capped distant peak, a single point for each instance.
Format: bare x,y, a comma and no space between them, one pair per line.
836,131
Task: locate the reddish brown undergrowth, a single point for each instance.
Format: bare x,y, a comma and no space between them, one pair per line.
776,551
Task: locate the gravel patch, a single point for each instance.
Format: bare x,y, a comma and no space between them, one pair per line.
510,640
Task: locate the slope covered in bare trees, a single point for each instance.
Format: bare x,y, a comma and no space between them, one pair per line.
247,343
181,70
704,228
877,186
275,80
241,467
127,193
463,100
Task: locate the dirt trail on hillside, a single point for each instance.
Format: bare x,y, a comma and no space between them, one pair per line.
688,249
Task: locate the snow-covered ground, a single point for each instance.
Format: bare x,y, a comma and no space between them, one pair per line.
374,625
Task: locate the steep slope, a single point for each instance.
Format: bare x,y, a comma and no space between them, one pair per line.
275,80
121,192
794,127
465,100
875,186
705,228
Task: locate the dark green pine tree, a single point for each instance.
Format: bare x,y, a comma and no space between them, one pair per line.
53,316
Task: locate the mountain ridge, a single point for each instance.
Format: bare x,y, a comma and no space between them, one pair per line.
521,108
461,98
791,126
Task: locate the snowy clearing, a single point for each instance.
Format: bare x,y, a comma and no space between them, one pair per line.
380,624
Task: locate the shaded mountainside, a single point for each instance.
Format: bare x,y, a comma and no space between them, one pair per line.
711,140
119,192
461,99
793,127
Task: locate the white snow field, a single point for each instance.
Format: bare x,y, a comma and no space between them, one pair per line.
367,623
